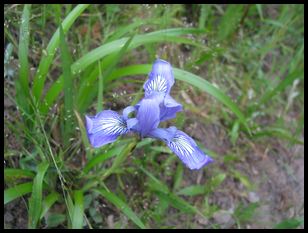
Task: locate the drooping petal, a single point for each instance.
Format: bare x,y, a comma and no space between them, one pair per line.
169,108
105,127
147,116
188,151
160,78
183,146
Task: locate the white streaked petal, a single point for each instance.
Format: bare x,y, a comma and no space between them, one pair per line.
158,84
111,126
109,123
188,151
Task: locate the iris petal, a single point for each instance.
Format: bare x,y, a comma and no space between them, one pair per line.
169,108
188,151
183,146
127,111
160,78
105,127
148,116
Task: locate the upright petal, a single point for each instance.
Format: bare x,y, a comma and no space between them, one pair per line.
169,108
105,127
160,78
147,116
183,146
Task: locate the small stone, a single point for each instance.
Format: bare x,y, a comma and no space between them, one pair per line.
110,221
253,197
222,217
8,217
202,221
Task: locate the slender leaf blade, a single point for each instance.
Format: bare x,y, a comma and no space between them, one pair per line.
19,190
35,201
48,202
66,61
121,205
77,219
13,173
42,71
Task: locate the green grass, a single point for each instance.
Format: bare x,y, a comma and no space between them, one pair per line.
239,70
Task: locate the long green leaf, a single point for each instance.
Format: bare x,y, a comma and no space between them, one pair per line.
22,84
206,86
66,61
115,46
11,194
23,49
108,71
171,35
121,205
35,201
187,77
42,71
77,219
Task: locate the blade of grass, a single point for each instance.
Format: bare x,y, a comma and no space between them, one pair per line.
192,190
42,71
66,62
162,191
48,202
155,183
17,191
120,159
177,202
178,177
260,12
84,136
121,205
281,86
35,201
230,20
23,49
13,174
100,89
22,84
291,223
277,132
77,219
214,182
101,158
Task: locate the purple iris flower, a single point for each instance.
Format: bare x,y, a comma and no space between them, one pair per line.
156,106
